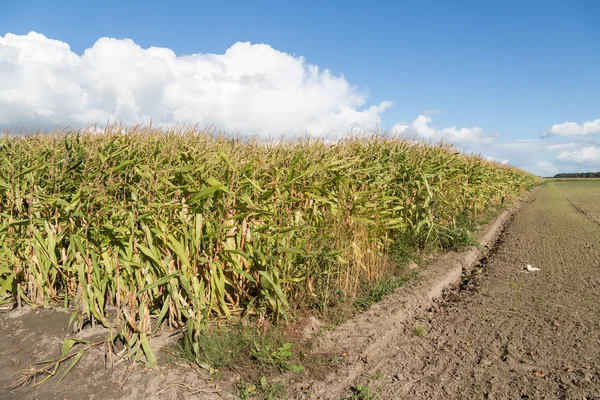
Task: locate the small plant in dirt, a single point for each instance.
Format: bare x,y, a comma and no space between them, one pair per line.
419,330
260,390
375,375
281,357
361,392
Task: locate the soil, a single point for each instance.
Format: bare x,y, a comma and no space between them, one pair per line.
31,336
500,333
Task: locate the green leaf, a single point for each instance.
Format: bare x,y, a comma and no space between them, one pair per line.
275,287
74,362
236,251
150,357
69,343
161,316
28,170
203,194
295,367
158,282
178,248
123,165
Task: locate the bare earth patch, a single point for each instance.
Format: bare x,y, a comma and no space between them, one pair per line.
33,336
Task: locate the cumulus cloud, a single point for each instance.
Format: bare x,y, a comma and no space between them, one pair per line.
251,88
570,129
585,155
463,137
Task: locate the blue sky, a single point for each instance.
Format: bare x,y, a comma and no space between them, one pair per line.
512,68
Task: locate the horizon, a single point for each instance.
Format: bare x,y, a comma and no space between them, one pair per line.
513,82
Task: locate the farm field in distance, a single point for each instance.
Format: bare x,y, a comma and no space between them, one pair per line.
583,194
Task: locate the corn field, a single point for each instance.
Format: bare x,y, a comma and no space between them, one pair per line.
180,227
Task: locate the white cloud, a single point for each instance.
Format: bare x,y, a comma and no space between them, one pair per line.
547,166
586,155
421,129
569,129
431,112
250,88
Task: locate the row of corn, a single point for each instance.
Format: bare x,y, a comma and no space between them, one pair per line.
180,227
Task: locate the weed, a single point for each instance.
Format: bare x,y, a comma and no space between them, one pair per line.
375,375
229,346
245,390
380,289
419,330
338,360
281,357
405,248
259,390
361,392
219,347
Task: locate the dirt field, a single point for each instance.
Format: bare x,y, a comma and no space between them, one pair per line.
583,196
503,334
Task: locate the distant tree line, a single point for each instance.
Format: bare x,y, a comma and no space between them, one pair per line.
579,175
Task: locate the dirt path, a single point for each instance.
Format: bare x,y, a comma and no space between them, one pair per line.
512,334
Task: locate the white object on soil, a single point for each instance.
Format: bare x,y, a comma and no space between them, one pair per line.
532,269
